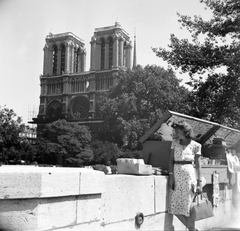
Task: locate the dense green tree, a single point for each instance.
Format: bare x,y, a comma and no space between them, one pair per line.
138,99
12,147
215,44
105,152
67,140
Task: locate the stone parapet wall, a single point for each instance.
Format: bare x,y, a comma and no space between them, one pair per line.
73,199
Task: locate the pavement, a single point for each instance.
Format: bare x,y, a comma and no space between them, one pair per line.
233,226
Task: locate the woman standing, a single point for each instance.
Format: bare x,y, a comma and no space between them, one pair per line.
185,154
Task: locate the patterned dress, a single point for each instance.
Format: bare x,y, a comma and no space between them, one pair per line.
185,178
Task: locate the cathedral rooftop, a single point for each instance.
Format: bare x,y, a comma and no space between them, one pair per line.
107,28
66,34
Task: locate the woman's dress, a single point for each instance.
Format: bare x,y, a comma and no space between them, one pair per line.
185,178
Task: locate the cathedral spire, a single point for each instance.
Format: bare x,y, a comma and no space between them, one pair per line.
134,52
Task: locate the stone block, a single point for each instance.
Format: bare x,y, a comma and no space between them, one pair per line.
125,196
57,182
35,182
58,212
91,182
89,208
161,194
37,214
19,182
18,215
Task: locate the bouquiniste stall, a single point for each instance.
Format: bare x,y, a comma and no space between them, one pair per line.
220,152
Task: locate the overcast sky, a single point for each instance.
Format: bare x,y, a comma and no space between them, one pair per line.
24,25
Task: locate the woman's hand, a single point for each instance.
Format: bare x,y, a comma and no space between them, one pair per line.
171,182
199,187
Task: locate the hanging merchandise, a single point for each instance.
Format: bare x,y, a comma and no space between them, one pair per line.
216,194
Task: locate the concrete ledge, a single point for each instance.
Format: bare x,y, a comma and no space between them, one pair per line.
72,199
35,182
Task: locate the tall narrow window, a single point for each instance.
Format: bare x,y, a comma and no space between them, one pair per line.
102,54
54,64
110,40
77,61
124,54
62,58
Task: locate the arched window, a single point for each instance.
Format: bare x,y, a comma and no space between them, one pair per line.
54,109
62,58
54,61
102,53
110,55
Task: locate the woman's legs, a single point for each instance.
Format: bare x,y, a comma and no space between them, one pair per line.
183,219
187,221
190,224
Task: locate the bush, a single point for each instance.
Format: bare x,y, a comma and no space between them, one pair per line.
137,154
105,153
113,169
100,167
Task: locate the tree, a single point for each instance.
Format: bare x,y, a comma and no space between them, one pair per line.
67,140
138,99
13,147
215,44
105,152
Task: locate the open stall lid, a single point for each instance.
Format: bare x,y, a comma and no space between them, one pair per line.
205,131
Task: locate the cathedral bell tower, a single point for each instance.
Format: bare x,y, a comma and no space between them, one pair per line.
64,56
110,48
63,53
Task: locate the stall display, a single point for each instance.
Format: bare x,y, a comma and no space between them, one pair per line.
217,140
216,192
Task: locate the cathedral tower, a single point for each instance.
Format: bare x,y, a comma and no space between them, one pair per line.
64,53
110,48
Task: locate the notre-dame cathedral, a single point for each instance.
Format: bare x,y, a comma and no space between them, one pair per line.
70,92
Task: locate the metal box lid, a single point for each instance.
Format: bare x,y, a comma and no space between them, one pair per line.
205,131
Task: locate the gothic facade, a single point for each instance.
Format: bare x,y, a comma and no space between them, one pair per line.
70,92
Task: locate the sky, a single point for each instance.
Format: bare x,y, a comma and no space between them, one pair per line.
24,25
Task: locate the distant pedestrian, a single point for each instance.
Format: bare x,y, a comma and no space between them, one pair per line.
183,183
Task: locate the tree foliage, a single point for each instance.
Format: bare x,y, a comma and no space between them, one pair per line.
214,44
137,101
67,140
12,147
105,152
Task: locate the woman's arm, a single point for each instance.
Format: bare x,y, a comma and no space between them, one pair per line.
171,182
199,173
171,159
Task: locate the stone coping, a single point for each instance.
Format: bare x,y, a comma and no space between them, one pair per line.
38,182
